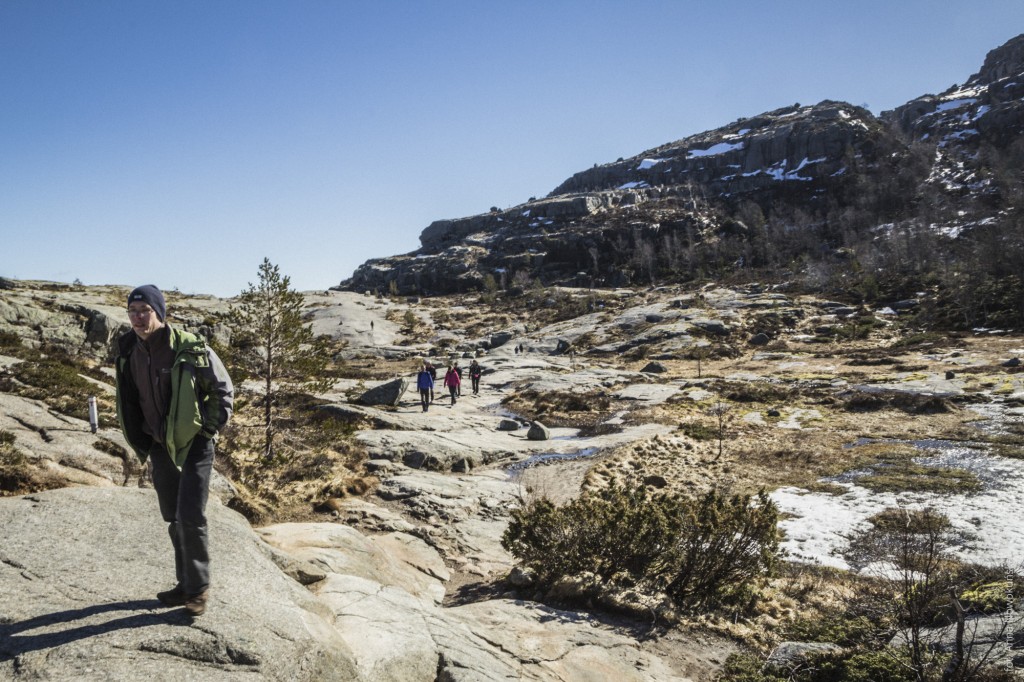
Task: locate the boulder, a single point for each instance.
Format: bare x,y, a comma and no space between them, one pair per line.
759,339
654,368
385,394
79,573
538,432
508,425
499,339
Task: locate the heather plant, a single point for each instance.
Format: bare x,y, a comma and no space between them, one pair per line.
703,552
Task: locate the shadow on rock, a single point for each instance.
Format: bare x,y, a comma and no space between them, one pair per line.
13,644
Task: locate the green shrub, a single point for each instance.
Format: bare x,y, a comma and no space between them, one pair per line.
700,552
698,431
861,666
9,340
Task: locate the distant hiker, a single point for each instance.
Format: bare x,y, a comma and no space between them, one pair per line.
452,381
458,370
433,375
517,349
164,372
425,383
475,370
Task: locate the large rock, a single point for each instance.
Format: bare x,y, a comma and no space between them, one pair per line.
385,394
79,570
538,432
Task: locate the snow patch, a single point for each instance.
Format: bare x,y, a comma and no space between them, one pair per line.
647,164
988,522
715,150
956,104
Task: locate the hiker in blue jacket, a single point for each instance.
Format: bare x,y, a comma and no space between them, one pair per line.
425,384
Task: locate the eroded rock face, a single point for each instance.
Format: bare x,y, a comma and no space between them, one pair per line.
593,228
79,571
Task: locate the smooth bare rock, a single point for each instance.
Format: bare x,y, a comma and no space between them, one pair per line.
65,446
535,642
395,559
67,450
79,571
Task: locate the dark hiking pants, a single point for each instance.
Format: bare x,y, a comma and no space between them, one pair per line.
182,496
425,398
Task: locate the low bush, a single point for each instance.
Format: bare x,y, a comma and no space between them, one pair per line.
701,553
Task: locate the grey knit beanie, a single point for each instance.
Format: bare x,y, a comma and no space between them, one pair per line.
148,293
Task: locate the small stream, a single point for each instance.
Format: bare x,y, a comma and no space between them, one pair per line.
514,470
988,523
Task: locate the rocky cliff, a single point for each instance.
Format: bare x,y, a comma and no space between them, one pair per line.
698,206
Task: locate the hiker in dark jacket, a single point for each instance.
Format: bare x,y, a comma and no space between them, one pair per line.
475,371
173,397
425,384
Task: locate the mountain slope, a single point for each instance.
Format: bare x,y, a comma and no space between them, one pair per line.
828,195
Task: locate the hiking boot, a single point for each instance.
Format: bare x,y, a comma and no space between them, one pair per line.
172,597
196,604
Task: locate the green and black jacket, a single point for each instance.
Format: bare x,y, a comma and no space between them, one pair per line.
201,401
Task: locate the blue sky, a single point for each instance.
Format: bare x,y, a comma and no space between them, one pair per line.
180,143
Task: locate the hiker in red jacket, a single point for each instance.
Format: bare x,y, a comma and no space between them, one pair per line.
453,382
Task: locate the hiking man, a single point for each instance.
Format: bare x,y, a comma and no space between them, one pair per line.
173,397
475,371
425,384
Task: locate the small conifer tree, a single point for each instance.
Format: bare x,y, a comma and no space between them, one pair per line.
275,344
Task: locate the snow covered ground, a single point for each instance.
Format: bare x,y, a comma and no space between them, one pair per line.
988,523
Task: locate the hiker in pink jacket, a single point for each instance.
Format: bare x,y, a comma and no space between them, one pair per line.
453,382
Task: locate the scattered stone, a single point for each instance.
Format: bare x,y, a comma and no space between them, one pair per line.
499,339
508,425
950,375
654,368
463,465
1012,362
385,394
759,339
538,432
